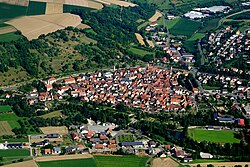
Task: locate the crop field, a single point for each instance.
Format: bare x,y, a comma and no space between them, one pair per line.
155,17
164,162
220,164
86,3
120,161
185,27
7,29
30,163
8,11
55,129
139,38
13,140
87,162
139,51
217,136
241,16
11,118
14,153
54,8
63,157
52,114
5,128
34,26
171,23
36,8
11,36
120,3
5,108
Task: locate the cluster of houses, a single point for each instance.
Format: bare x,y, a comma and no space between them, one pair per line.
150,88
227,45
238,87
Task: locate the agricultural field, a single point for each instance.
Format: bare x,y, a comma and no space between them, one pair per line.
164,162
139,51
139,38
55,129
219,164
13,140
14,153
5,128
184,27
52,114
8,11
120,161
241,16
87,162
30,163
155,17
36,8
11,36
5,108
34,26
217,136
86,3
171,23
11,118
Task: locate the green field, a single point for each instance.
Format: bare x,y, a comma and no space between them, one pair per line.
217,136
14,153
139,51
70,8
171,23
36,8
184,27
5,108
8,11
126,138
210,87
206,161
241,16
12,140
52,114
88,162
210,25
196,36
11,118
120,161
11,36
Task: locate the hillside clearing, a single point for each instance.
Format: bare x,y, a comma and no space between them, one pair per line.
140,38
155,17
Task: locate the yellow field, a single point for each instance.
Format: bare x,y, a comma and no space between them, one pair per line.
103,2
53,8
34,26
139,38
164,162
62,130
120,3
155,17
5,128
83,26
52,114
16,2
84,3
150,43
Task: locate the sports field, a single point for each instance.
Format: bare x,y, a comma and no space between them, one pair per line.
14,153
184,27
87,162
5,108
120,161
217,136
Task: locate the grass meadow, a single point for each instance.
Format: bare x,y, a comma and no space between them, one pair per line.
5,108
120,161
217,136
88,162
14,153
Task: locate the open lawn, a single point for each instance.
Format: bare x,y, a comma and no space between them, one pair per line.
11,118
88,162
126,138
13,140
11,36
120,161
211,87
5,108
171,23
217,136
14,153
196,36
139,51
184,27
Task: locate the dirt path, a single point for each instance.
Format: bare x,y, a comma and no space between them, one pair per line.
8,29
62,157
